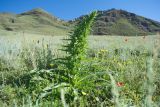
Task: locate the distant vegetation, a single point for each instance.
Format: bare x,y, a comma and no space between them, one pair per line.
111,22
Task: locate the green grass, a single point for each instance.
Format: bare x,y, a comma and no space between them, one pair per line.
101,60
30,74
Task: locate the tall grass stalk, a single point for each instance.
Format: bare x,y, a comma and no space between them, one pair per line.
115,92
150,82
63,98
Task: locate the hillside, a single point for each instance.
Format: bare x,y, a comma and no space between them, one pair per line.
34,21
120,22
110,22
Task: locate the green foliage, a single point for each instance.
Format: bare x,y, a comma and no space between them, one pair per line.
37,58
76,54
92,86
76,49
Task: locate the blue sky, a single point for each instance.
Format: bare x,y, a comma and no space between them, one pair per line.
69,9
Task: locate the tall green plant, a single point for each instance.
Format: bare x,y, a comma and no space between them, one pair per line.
77,45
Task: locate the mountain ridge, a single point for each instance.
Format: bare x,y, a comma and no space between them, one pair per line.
121,22
108,22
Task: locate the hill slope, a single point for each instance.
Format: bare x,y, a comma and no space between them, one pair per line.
110,22
34,21
120,22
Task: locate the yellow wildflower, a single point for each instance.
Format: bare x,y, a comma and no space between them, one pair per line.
83,93
51,65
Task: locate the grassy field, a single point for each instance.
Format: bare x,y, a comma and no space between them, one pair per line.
79,70
15,40
126,58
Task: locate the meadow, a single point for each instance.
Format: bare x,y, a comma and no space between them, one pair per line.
114,71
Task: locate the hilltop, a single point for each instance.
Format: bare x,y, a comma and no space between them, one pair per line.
33,21
120,22
108,22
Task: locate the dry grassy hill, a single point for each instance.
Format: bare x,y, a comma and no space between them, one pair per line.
34,21
120,22
110,22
